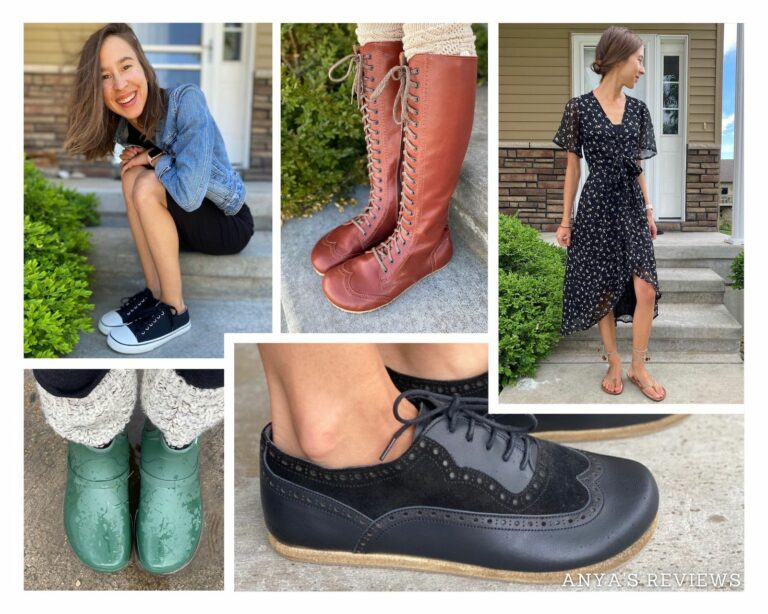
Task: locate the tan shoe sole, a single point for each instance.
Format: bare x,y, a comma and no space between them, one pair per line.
416,563
619,432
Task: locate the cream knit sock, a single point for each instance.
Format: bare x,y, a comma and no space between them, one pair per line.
378,32
93,420
181,411
438,38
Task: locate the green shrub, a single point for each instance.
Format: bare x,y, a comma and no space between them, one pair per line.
737,271
531,276
56,291
322,143
323,148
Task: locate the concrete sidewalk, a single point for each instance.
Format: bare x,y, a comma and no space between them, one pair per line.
698,464
50,564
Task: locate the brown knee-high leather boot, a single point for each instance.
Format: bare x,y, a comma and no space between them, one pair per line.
383,138
436,103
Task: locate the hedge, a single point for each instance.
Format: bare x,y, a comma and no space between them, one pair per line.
56,290
737,271
531,274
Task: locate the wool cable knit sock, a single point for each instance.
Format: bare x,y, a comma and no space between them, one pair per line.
378,32
100,411
438,38
179,409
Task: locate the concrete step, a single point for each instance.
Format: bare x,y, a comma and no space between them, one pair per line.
698,250
112,208
452,300
211,319
681,285
576,383
561,356
469,204
243,276
679,327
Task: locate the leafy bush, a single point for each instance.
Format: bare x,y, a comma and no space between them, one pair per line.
56,272
323,148
531,276
737,271
322,143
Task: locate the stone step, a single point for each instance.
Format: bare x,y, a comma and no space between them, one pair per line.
469,204
452,300
679,327
580,383
698,250
211,319
681,285
561,356
112,208
243,276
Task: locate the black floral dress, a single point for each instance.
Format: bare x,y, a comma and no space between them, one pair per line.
610,238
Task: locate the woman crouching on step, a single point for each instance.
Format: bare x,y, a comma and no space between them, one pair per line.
179,187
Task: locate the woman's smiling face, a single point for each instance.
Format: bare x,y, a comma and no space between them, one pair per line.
123,82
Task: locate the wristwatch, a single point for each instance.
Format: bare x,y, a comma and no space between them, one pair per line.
154,153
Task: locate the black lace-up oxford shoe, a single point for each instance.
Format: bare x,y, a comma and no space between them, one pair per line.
470,496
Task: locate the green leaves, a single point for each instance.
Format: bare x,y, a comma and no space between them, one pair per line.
737,271
323,148
56,291
531,274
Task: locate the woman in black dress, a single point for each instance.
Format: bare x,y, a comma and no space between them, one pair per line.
611,270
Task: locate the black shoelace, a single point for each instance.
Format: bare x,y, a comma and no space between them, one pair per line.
474,409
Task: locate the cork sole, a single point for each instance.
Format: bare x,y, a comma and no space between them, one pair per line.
620,432
415,563
394,299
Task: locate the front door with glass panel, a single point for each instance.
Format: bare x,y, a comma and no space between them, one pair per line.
665,173
216,57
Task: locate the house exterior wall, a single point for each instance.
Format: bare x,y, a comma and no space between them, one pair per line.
50,56
534,85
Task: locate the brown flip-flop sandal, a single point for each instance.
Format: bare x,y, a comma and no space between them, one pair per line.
621,380
644,387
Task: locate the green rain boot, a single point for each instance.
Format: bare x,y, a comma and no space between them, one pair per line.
97,520
169,521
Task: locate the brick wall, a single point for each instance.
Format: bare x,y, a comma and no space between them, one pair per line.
702,189
531,184
46,96
261,131
531,177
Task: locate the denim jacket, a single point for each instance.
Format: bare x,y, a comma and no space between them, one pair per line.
196,165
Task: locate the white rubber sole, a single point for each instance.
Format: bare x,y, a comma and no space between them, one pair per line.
105,330
148,346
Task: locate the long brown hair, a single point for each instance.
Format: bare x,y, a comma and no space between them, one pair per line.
615,45
91,125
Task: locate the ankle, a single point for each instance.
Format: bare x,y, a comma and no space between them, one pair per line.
344,438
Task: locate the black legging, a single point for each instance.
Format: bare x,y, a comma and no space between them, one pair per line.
79,383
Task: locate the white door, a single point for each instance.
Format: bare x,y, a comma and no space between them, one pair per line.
671,142
665,172
216,57
228,84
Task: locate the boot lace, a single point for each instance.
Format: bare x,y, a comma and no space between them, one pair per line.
358,62
404,114
433,406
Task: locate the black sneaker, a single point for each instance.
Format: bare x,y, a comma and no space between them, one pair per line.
150,330
470,497
130,308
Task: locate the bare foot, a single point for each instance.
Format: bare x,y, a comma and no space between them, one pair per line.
648,386
612,382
